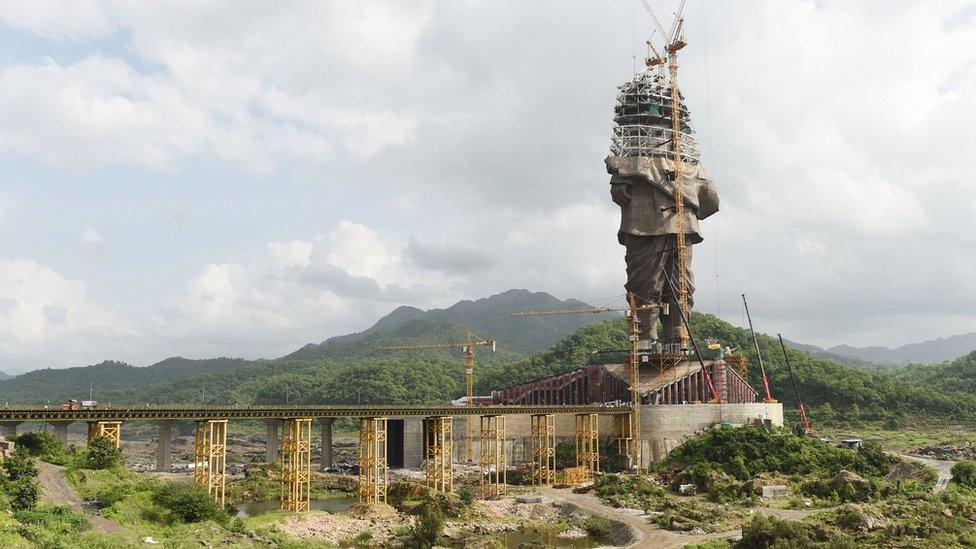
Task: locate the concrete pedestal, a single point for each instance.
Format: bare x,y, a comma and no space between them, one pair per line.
165,446
413,443
326,460
61,431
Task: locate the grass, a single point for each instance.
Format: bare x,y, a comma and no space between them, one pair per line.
901,440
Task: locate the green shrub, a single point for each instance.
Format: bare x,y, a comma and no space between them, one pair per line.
19,464
102,454
39,443
59,520
964,473
466,496
187,502
597,526
628,491
764,532
430,524
23,494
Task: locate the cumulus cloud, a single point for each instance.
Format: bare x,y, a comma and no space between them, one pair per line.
92,240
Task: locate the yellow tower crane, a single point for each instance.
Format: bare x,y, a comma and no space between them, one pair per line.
468,348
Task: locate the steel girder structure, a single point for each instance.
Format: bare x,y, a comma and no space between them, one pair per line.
543,449
372,460
494,457
111,430
588,442
296,464
210,457
439,444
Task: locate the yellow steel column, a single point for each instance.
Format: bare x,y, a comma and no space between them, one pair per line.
588,442
623,434
111,430
210,456
372,460
543,449
296,464
439,433
494,462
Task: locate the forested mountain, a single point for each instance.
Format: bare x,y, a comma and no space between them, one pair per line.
954,377
41,386
489,318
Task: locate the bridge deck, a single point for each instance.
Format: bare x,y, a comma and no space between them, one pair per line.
121,413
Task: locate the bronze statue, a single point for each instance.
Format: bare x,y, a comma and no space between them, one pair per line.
643,187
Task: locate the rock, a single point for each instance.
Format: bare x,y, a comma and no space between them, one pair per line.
947,513
697,531
775,492
528,499
150,540
687,489
751,487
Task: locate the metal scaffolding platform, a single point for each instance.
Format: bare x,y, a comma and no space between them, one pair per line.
210,457
438,441
623,435
494,457
543,449
111,430
588,442
372,460
296,464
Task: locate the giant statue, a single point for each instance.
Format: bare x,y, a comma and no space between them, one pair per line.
642,183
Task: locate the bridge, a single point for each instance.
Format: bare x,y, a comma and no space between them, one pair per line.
294,451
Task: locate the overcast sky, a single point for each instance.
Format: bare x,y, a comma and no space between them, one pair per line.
240,178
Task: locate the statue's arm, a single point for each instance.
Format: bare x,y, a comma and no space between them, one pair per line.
707,199
620,188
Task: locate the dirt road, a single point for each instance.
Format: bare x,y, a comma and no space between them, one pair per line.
943,468
56,490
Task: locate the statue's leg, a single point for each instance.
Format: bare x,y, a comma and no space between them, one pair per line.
674,327
645,262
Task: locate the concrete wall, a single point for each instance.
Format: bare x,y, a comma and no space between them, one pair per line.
664,428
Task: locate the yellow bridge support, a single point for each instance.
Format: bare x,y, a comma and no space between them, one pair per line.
588,442
111,430
296,464
439,434
543,449
494,457
210,457
624,435
372,460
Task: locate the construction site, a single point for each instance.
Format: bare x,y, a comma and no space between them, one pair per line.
665,387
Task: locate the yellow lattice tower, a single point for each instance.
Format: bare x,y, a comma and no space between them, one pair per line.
628,436
679,199
494,457
210,457
588,442
740,363
296,464
372,460
439,466
111,430
543,449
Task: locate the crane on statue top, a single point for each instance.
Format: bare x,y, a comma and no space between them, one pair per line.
673,41
467,347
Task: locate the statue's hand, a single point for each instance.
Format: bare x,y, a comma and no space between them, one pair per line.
620,194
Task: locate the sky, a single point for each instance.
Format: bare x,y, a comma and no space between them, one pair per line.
239,178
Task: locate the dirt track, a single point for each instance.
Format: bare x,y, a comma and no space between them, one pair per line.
56,490
943,468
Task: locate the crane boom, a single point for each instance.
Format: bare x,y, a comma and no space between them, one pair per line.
807,428
591,310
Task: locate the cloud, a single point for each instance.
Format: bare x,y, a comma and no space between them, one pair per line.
92,241
72,19
449,259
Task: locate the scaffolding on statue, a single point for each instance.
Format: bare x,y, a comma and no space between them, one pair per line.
439,465
296,464
588,442
642,120
543,449
210,457
372,460
494,457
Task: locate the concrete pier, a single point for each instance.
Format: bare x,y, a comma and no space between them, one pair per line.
413,443
9,428
273,426
61,431
326,461
165,446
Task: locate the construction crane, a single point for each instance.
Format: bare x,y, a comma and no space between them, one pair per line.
467,347
755,341
673,42
807,428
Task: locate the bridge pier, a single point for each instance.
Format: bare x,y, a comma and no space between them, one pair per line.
9,428
413,443
111,430
164,448
210,457
372,460
494,457
439,439
61,431
588,442
326,461
543,433
272,425
296,464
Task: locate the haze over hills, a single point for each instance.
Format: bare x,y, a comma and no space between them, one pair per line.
931,351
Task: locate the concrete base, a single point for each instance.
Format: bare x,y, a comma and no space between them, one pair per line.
9,428
61,431
165,447
413,443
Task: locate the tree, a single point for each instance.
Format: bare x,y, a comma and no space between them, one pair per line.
102,454
20,465
430,524
826,413
23,494
187,502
